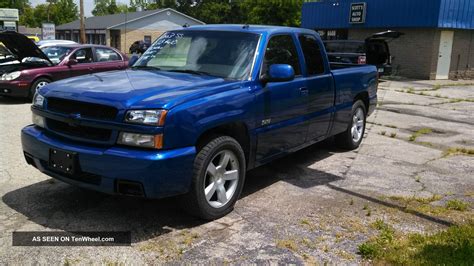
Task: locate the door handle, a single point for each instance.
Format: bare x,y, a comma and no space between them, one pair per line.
304,91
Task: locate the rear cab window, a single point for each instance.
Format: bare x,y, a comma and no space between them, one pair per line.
312,55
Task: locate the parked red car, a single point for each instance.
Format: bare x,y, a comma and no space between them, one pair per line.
30,68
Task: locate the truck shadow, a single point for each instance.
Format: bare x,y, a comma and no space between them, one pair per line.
59,206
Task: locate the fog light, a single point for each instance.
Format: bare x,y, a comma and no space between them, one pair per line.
141,140
38,120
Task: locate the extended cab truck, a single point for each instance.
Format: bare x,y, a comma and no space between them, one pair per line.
198,109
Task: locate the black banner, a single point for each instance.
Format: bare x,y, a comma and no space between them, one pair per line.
71,238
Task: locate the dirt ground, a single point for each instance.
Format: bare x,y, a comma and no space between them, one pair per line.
314,206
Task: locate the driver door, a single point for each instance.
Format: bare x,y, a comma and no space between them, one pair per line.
85,62
285,104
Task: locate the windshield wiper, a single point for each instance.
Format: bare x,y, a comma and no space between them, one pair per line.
190,71
146,67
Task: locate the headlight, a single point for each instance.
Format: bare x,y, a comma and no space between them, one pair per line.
38,120
141,140
147,117
11,76
38,100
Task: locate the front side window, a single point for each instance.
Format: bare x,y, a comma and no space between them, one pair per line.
83,56
312,55
216,53
281,49
105,54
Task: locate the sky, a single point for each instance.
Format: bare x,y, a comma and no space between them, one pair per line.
88,5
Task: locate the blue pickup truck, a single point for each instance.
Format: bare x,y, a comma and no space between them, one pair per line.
199,108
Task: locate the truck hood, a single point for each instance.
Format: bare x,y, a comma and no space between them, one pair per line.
137,88
21,46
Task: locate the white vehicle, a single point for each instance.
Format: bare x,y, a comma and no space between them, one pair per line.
46,43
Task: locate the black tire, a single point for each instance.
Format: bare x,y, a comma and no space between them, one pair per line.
345,139
195,202
34,85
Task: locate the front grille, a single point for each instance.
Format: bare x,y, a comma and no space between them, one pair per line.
89,110
92,133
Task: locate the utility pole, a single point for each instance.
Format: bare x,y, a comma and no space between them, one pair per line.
83,30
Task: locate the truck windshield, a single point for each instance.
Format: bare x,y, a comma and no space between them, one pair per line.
215,53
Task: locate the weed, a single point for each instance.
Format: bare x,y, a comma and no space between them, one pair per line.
417,178
305,222
457,205
366,207
455,246
351,202
383,133
393,135
289,244
420,132
458,150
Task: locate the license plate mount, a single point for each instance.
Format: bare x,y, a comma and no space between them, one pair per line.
62,161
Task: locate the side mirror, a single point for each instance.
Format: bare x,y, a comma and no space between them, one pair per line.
279,73
132,60
71,62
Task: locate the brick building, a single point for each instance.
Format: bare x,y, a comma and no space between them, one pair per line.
438,40
121,30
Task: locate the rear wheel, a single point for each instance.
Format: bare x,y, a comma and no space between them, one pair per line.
218,178
352,137
38,84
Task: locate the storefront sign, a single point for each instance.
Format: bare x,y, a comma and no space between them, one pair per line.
357,13
9,14
48,31
9,25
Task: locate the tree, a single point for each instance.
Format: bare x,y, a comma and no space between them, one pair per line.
105,7
64,11
216,11
272,12
21,5
60,12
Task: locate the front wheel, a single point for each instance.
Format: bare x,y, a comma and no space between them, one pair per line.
38,84
218,178
352,137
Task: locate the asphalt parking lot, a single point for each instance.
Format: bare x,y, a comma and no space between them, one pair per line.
314,206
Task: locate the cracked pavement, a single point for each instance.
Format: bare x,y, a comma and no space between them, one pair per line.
314,206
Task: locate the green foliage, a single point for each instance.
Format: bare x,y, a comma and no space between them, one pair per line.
272,12
457,205
105,7
455,246
58,11
268,12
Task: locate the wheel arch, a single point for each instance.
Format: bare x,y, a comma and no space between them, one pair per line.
237,130
364,97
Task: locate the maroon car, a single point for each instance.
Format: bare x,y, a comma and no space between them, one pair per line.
29,68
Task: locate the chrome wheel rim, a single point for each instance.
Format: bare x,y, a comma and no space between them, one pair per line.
41,85
222,177
357,125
